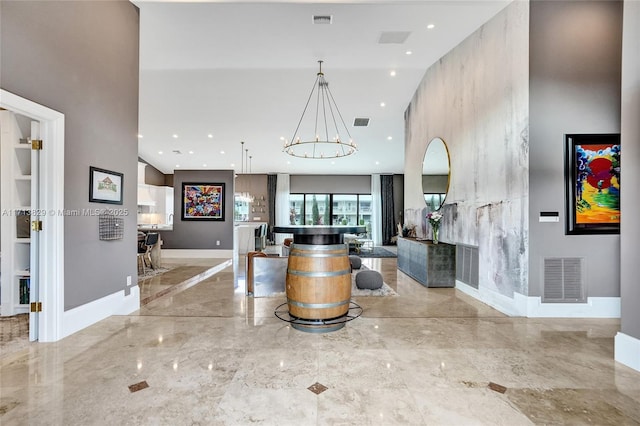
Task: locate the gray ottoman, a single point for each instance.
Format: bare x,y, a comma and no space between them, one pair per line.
369,279
356,262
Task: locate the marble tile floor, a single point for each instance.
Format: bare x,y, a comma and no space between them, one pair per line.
208,355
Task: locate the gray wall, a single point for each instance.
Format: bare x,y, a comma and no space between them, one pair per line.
192,234
575,60
630,197
336,184
476,99
81,58
256,185
153,176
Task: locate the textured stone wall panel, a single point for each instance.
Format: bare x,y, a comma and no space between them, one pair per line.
476,99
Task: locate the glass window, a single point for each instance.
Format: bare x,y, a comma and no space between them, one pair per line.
315,209
330,209
296,210
365,211
345,209
240,210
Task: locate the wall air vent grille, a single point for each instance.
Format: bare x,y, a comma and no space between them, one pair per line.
467,265
360,122
563,280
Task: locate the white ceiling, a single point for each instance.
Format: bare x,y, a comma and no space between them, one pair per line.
242,71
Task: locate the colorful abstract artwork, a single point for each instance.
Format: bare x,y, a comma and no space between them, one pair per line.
593,184
203,201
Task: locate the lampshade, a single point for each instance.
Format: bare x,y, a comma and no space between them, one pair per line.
325,139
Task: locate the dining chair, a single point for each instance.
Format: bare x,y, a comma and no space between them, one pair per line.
144,250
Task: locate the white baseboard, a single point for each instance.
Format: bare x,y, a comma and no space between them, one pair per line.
627,350
195,253
114,304
504,304
596,307
532,307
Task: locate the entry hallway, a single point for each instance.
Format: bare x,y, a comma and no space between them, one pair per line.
203,353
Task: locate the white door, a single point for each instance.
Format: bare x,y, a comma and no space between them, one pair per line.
36,229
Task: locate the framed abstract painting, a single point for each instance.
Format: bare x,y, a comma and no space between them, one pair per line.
202,201
592,176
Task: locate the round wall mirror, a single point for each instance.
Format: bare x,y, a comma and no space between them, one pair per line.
435,174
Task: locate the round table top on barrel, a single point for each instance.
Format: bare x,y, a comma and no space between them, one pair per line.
319,229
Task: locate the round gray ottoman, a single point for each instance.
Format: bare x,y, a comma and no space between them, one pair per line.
356,262
369,279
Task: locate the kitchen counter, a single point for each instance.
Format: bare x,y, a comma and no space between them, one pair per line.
147,227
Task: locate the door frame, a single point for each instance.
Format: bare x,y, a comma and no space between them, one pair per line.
51,248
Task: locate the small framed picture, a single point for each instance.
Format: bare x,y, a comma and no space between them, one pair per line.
592,183
202,201
105,186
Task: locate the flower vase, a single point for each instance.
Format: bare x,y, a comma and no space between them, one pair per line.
435,234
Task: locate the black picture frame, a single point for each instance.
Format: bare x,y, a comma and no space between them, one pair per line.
203,201
592,176
105,186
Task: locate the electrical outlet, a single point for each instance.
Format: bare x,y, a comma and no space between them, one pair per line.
128,280
217,242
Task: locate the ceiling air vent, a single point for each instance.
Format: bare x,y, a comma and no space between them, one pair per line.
322,19
176,151
360,122
393,37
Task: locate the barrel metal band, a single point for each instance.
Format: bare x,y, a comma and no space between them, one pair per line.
321,274
316,254
317,305
319,247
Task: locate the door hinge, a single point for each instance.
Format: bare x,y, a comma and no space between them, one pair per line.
36,225
35,307
36,144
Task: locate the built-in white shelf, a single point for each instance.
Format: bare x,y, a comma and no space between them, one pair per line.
16,180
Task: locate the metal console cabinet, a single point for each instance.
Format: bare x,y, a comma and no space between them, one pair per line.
432,265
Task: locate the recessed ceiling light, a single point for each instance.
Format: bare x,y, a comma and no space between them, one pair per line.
392,73
389,138
175,136
221,152
288,162
210,136
377,163
333,162
431,26
281,138
382,104
160,152
408,52
190,152
232,165
204,165
177,165
140,136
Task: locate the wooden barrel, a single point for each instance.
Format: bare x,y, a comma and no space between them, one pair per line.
318,282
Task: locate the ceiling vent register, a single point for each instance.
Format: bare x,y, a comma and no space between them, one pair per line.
360,122
393,37
322,19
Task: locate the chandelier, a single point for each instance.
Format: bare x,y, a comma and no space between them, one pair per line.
322,144
244,195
